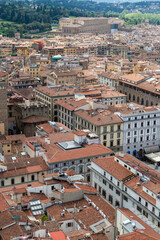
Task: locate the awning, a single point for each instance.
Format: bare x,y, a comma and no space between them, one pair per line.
154,157
151,149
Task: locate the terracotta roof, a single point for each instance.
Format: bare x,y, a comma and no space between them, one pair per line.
134,77
147,231
104,206
97,118
3,202
11,188
15,137
34,119
136,236
132,184
80,133
86,188
24,166
144,169
87,151
72,104
112,167
55,92
46,127
58,235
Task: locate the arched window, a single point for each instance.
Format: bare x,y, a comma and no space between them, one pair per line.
146,103
133,97
142,101
81,169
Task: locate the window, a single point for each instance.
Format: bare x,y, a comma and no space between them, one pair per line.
104,193
129,125
135,132
118,142
100,189
2,183
22,179
112,128
141,124
141,131
110,199
81,169
139,209
118,135
95,185
154,122
135,125
129,133
111,143
32,178
147,130
135,140
125,189
104,129
147,138
111,178
118,192
128,140
104,182
70,224
153,209
125,198
111,136
111,187
104,137
146,204
119,127
145,213
117,204
12,181
139,199
148,123
154,129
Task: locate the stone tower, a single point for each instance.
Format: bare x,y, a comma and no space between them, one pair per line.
3,105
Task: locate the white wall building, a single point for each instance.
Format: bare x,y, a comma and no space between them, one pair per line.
127,182
141,129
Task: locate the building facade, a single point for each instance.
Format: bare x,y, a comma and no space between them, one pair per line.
141,129
49,95
127,182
